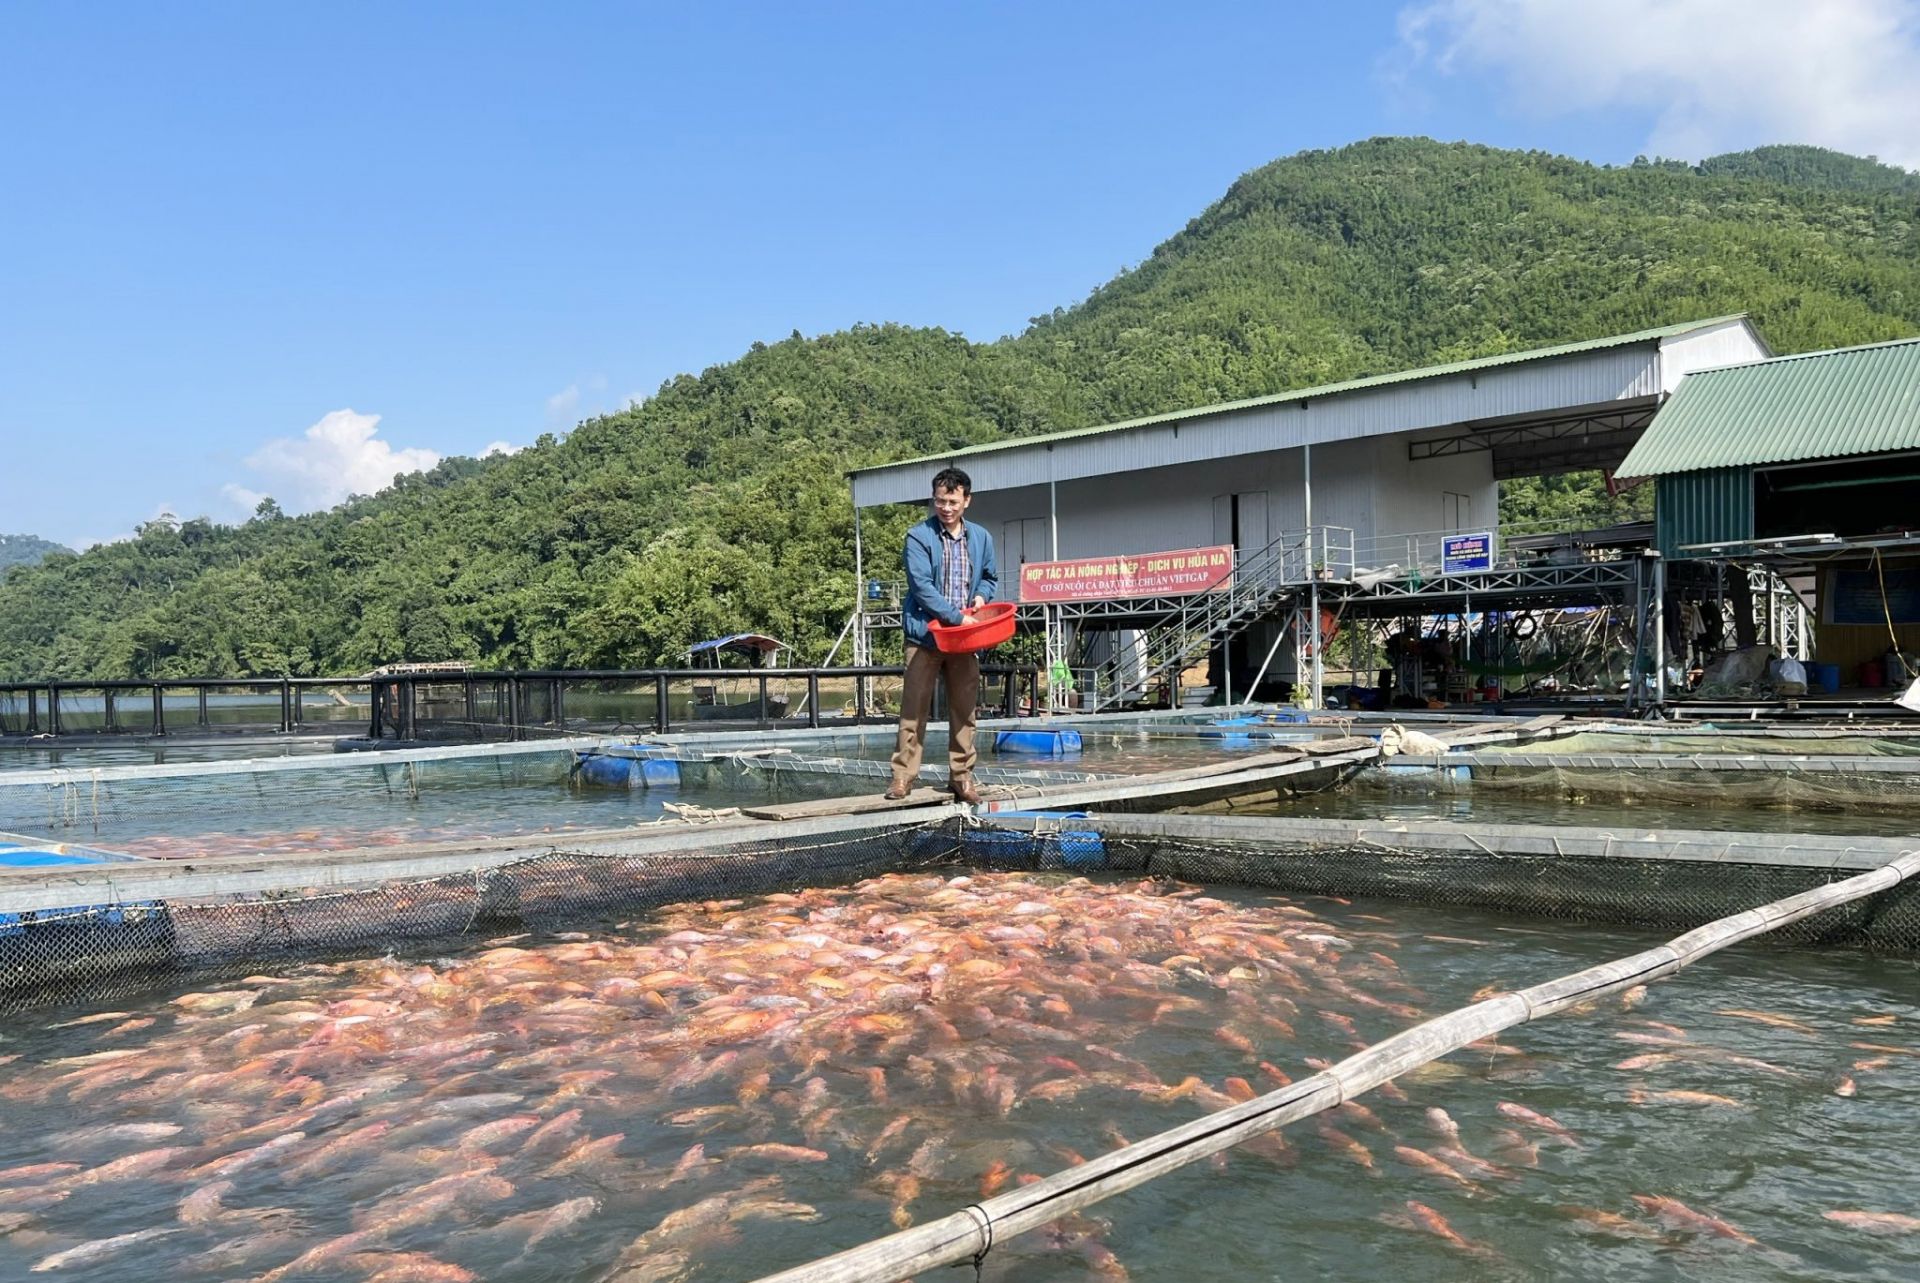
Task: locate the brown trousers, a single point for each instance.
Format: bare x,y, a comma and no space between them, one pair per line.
925,667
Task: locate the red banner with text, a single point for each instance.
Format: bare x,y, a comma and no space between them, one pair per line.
1144,574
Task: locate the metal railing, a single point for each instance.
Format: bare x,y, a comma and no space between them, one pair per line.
478,705
1180,638
521,705
1517,543
182,705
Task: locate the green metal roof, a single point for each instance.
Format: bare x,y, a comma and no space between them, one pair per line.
1818,405
1330,389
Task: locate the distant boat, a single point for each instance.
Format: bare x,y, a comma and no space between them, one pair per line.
714,701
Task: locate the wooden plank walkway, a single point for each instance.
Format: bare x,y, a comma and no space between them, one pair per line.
864,804
1346,744
921,797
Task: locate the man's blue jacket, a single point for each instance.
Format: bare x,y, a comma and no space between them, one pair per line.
925,602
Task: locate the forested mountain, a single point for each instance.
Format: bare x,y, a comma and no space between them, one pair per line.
1814,167
719,503
25,550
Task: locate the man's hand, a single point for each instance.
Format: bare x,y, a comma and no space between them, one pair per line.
978,602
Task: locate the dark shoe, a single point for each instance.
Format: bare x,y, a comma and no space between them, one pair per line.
964,791
897,791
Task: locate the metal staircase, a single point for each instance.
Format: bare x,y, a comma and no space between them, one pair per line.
1263,581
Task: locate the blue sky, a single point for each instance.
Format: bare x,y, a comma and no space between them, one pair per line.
254,249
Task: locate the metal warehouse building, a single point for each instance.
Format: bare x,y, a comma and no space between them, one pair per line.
1809,466
1321,489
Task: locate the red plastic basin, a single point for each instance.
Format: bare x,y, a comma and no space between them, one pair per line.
992,624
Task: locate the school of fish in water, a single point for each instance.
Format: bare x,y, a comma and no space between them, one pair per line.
636,1104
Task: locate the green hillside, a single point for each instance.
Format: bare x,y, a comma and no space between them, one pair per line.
1814,167
25,550
719,504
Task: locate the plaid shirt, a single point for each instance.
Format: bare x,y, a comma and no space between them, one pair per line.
956,567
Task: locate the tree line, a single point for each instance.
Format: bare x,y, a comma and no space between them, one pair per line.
720,503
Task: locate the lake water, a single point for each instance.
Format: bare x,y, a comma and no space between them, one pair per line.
1493,806
82,756
718,1091
358,801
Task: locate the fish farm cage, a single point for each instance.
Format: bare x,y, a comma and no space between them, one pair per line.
101,931
91,933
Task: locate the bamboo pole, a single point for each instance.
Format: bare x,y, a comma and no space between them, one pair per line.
970,1233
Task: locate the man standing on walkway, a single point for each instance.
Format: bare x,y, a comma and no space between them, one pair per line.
950,574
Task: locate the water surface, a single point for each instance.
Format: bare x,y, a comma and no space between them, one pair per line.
722,1090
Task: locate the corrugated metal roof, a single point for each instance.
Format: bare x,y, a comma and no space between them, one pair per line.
1817,405
1327,390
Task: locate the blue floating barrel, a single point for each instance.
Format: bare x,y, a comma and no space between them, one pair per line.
933,844
1083,849
1824,678
621,771
1057,743
608,771
1001,846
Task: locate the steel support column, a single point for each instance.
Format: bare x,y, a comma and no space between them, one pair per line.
1659,629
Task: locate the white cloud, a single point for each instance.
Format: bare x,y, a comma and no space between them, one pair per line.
500,447
340,455
241,497
577,401
169,511
1720,75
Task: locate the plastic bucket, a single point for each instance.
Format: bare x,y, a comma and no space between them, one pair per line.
1824,677
992,624
1872,675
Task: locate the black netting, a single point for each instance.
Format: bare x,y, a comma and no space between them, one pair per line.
291,791
1810,789
1669,894
94,953
91,953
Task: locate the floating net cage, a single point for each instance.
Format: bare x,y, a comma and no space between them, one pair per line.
1677,883
92,952
334,801
1776,740
87,953
169,921
1782,784
293,793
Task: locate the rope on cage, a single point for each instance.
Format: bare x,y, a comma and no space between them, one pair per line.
693,813
1886,608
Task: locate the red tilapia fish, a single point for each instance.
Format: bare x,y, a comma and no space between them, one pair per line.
646,1098
1681,1217
894,1040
